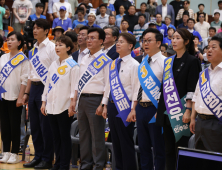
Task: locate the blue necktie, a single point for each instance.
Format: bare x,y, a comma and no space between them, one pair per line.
118,68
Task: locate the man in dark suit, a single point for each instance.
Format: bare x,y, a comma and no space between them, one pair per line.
165,9
112,35
83,50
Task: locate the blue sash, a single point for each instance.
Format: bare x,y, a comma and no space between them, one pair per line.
8,68
62,70
118,93
94,68
149,82
174,105
210,99
39,68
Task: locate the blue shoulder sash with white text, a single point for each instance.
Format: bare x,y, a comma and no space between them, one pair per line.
120,98
39,68
8,68
149,82
94,68
211,100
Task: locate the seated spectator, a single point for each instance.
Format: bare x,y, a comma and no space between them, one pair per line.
170,52
219,10
103,19
143,7
151,7
139,28
62,21
160,26
220,30
167,40
216,23
198,51
119,17
2,14
202,27
124,3
168,22
1,44
39,7
212,32
6,18
131,17
56,9
108,11
201,8
111,7
57,32
186,6
124,27
91,20
190,24
82,5
163,49
21,10
152,24
165,9
73,36
112,20
80,20
185,18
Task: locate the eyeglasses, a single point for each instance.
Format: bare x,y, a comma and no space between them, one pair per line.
201,16
90,38
146,41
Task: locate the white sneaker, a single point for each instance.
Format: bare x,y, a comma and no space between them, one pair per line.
5,157
14,158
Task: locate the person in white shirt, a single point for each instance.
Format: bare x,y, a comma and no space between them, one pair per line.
207,128
219,9
102,19
202,27
63,74
12,87
91,87
56,8
122,128
40,57
146,109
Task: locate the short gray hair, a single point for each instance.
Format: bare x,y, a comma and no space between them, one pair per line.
115,31
168,16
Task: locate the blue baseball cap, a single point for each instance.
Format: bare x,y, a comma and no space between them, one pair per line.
62,8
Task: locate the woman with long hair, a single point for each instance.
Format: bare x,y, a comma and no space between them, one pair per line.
181,73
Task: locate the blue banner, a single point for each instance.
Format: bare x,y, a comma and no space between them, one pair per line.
8,68
211,100
149,82
120,98
174,107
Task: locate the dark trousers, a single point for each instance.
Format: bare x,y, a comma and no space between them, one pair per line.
208,135
10,125
122,139
40,127
149,135
171,146
60,125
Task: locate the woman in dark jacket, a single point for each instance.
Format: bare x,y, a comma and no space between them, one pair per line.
185,71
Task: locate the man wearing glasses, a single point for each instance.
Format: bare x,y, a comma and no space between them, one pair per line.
94,74
186,6
202,27
149,134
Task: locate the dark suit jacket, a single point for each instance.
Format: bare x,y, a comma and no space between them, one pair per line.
75,55
186,76
112,53
139,58
170,11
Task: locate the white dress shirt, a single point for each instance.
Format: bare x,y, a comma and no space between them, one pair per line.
17,77
157,65
46,53
164,12
107,50
128,75
58,99
215,83
203,29
82,54
98,82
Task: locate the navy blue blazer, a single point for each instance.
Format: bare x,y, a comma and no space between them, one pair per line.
112,53
170,11
75,55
